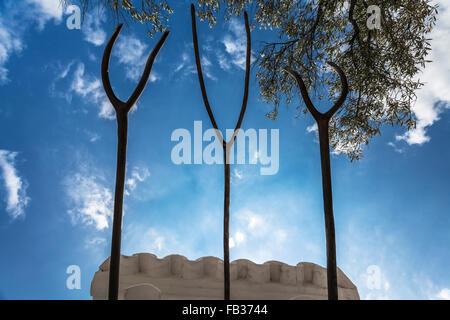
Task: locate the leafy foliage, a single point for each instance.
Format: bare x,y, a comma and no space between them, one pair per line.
153,13
382,66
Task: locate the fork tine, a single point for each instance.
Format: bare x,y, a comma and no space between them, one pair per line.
117,104
344,89
146,74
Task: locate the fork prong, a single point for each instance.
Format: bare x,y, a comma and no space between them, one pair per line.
344,89
117,104
146,74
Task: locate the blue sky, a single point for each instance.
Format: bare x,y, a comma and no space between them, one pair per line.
57,163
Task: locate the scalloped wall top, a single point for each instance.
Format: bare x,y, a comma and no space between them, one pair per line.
178,266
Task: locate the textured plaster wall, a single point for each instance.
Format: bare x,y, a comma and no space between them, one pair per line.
145,276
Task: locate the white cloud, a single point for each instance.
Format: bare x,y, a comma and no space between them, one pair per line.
130,50
186,66
92,136
238,174
312,128
45,10
230,51
396,149
237,239
22,15
257,235
184,61
235,46
92,57
94,242
64,70
154,76
91,89
428,288
444,294
91,201
253,221
137,238
51,9
16,196
223,61
137,175
85,85
434,97
133,54
9,43
206,68
14,21
92,32
107,111
96,247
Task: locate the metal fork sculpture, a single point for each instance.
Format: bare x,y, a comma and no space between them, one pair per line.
322,120
227,145
122,109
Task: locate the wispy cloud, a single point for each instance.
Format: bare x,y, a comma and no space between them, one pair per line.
15,19
238,174
93,136
94,242
396,149
444,294
91,28
10,43
224,63
434,97
228,52
15,186
206,68
19,16
162,242
312,128
184,60
425,288
90,89
45,10
186,66
85,86
132,53
137,175
237,239
235,44
257,234
90,200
